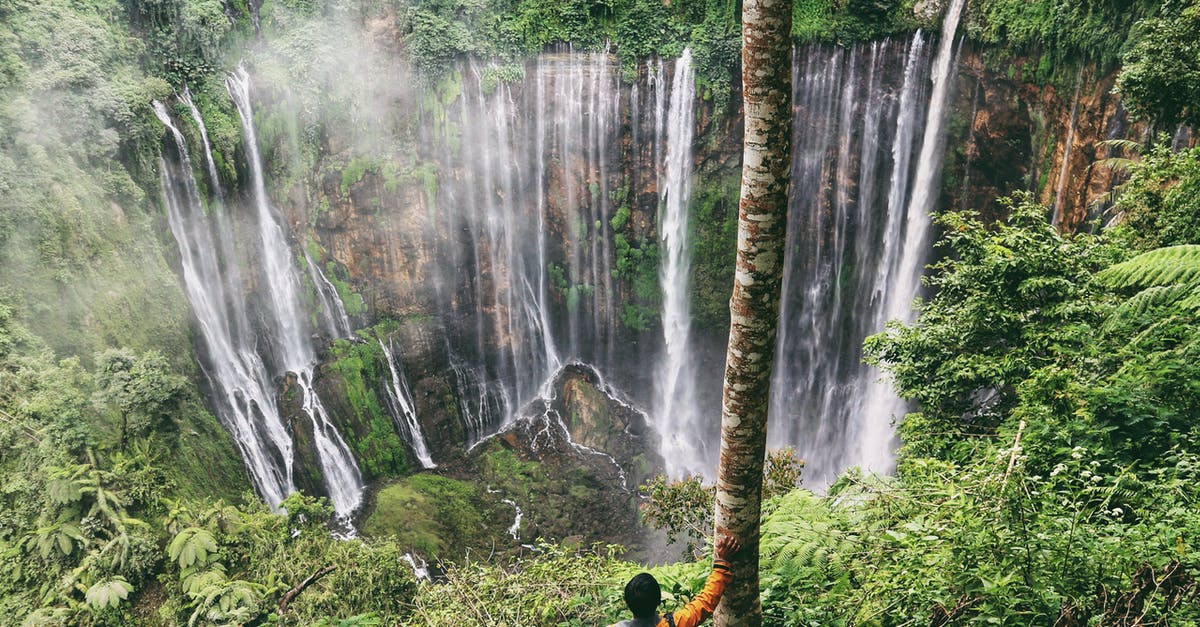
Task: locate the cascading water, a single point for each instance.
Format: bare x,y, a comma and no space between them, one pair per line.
243,393
229,269
333,310
676,412
1064,172
928,177
523,278
856,246
526,270
291,344
854,125
872,432
211,165
403,409
514,530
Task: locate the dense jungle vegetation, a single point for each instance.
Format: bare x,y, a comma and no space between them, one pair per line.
1050,475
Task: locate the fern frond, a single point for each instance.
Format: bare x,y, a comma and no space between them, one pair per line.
1128,146
1159,267
803,536
107,594
192,546
1150,298
1120,164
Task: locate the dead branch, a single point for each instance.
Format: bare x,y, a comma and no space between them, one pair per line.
291,594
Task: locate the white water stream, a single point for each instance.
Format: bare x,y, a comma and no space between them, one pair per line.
292,343
676,412
404,411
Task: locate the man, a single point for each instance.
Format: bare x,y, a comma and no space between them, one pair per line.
643,595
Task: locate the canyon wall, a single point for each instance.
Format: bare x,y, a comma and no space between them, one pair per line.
483,231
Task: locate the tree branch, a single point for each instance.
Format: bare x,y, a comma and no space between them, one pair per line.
291,594
25,430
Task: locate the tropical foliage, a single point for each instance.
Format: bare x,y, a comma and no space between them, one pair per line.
1049,474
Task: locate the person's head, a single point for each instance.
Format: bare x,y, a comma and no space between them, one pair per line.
642,595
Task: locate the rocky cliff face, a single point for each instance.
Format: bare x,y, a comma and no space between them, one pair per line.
512,229
510,242
1015,134
545,475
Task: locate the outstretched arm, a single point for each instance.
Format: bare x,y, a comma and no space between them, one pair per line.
703,605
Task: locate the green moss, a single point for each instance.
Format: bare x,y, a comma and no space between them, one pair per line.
377,447
390,171
637,317
504,471
494,76
426,174
1060,33
714,247
812,19
352,301
637,265
434,515
621,218
354,172
408,516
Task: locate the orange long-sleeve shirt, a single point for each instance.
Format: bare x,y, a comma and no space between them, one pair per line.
700,608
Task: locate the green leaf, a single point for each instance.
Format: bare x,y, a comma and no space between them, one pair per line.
63,491
107,594
1172,265
191,546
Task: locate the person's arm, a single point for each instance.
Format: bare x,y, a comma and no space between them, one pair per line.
703,605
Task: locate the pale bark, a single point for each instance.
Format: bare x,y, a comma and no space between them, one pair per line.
754,307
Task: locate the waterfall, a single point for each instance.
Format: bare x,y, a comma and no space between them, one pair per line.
292,346
525,271
856,116
521,254
874,430
525,277
333,310
1064,172
281,285
420,571
676,412
871,428
214,179
242,390
927,186
514,530
404,411
229,268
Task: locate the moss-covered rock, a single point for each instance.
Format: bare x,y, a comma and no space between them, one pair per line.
714,215
436,516
351,384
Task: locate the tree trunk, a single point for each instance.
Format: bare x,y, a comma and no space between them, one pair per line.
754,307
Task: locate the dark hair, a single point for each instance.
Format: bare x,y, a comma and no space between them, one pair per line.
642,595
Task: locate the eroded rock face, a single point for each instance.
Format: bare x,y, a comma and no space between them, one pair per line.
586,452
422,237
597,419
378,233
405,238
545,476
306,467
928,10
1017,134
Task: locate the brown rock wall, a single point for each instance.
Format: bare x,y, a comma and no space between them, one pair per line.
1020,135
